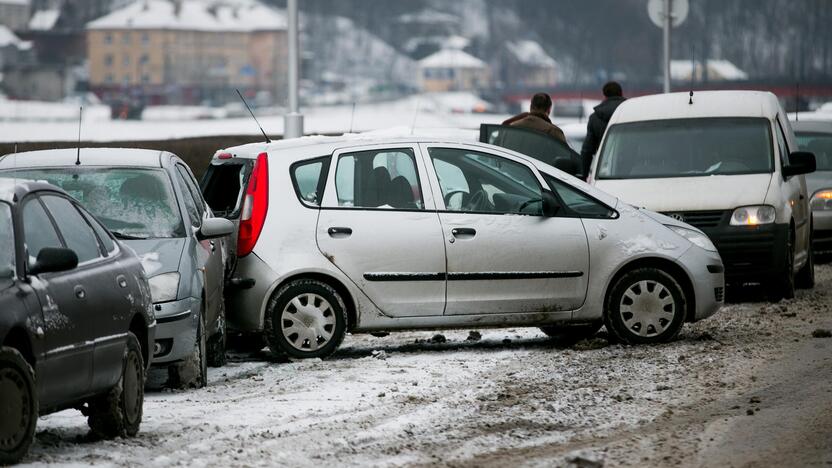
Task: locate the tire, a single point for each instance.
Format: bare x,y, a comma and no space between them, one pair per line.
192,372
18,406
628,315
288,312
118,413
783,284
805,278
567,335
217,344
246,342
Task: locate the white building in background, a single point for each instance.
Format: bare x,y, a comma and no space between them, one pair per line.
452,70
14,14
718,70
525,64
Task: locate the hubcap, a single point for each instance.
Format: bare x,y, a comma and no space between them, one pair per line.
308,322
14,409
647,308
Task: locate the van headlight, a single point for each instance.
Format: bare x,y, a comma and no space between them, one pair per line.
822,200
163,288
753,215
695,237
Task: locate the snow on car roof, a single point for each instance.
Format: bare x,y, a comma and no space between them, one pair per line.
194,15
89,157
705,104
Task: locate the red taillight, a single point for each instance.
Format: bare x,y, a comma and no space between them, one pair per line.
225,156
255,205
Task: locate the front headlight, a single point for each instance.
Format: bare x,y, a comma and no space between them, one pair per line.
822,200
163,288
695,237
753,215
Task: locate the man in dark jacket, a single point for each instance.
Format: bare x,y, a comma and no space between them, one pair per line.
598,121
538,117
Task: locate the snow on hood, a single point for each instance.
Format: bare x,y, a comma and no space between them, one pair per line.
158,255
720,192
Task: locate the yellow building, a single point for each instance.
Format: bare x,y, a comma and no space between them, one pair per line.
188,50
452,70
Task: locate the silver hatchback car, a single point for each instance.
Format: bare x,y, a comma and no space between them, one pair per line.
373,234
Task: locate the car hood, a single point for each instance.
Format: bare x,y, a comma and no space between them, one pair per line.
158,255
818,180
690,193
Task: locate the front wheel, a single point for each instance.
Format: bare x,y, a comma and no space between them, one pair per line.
805,278
644,306
782,285
118,413
192,372
305,319
217,344
18,406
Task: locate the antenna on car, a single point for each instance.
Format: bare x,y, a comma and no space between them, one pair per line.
415,114
252,116
797,102
352,116
80,118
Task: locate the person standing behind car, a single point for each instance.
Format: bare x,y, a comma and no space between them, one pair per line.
597,125
538,117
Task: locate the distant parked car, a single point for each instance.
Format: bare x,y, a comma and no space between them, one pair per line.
76,320
370,234
150,200
726,162
816,138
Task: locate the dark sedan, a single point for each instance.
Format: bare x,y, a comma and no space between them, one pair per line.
76,319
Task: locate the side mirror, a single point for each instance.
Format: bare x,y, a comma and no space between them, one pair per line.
800,162
52,260
568,166
213,228
551,205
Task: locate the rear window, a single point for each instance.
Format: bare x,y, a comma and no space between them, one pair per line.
309,178
6,242
223,186
820,144
687,148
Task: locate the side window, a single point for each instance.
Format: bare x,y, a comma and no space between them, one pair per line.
308,177
484,183
578,202
379,179
38,230
103,235
782,145
77,234
192,187
190,204
6,242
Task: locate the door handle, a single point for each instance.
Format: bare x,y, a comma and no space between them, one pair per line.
80,292
122,281
213,246
463,233
339,231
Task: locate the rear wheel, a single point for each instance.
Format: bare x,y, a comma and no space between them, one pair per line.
118,413
567,335
305,319
18,406
192,372
645,305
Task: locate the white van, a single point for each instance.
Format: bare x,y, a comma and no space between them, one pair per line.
726,162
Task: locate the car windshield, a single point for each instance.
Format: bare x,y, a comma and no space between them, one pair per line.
133,203
686,148
6,242
820,144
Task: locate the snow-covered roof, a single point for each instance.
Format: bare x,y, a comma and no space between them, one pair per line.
8,38
530,52
14,2
721,69
705,104
194,15
451,58
44,20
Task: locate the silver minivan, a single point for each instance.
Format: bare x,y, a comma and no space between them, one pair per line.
375,234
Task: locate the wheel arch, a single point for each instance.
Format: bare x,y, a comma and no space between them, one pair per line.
138,327
18,339
670,267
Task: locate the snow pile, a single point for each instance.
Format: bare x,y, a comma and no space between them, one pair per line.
44,111
194,15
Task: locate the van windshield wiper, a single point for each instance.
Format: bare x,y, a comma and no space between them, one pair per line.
123,236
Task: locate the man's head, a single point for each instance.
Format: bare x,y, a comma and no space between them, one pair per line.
541,102
612,89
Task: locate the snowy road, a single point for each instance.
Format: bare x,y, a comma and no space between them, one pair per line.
749,385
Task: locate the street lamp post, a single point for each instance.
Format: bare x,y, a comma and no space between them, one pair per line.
293,121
